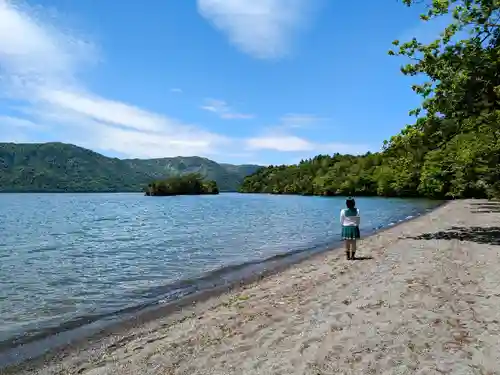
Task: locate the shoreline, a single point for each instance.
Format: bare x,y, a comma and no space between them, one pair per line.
71,341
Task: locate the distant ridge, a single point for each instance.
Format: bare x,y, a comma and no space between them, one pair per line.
62,167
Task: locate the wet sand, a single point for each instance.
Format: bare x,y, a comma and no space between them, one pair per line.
424,300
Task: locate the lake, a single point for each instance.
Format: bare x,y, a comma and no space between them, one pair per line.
67,260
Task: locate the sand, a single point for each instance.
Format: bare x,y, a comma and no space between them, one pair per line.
428,302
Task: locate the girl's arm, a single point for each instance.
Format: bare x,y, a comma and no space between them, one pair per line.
359,217
342,216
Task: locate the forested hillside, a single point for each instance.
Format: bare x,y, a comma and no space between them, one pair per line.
452,149
55,167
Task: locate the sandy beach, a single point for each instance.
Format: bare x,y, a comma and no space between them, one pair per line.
424,299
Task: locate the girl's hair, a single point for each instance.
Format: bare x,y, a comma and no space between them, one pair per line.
350,203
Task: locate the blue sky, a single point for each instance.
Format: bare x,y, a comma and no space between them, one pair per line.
241,81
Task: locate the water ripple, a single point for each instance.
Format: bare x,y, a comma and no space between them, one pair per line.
66,257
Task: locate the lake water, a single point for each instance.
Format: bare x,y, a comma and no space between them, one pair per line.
67,260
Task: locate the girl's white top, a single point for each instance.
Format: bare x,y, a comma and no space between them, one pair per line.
349,220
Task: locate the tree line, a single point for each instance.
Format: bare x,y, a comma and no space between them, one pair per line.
452,149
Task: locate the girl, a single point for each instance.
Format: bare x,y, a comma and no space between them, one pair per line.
349,219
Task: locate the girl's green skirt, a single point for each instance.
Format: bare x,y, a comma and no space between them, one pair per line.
350,232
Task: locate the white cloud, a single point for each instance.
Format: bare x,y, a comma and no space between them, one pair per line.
261,28
216,106
280,143
9,122
40,67
296,120
237,116
15,129
39,64
223,110
176,90
35,53
109,111
280,138
291,143
146,145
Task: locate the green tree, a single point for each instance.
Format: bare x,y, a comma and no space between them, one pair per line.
188,184
456,136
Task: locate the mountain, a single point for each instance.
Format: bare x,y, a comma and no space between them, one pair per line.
60,167
228,176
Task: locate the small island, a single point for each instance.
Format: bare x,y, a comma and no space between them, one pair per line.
188,184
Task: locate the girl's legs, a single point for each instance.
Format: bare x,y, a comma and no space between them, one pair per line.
347,249
350,249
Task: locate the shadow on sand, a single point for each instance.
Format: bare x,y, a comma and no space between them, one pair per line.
488,207
482,235
363,258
